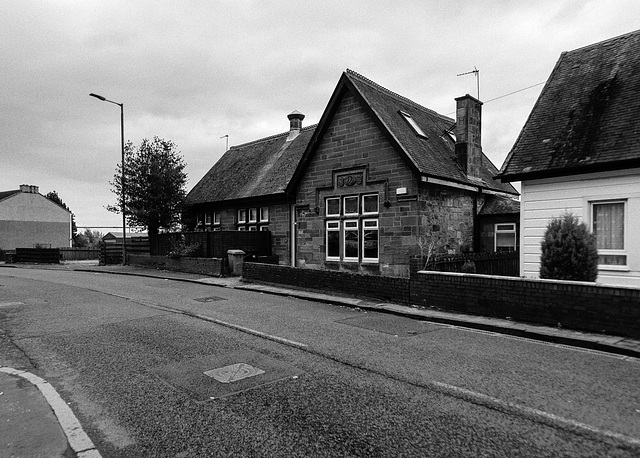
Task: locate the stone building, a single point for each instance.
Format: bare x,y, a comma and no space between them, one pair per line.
380,179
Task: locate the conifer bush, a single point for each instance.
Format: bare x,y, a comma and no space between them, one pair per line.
569,251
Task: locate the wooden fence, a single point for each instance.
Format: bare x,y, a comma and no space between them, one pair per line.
79,254
506,264
214,244
38,255
111,253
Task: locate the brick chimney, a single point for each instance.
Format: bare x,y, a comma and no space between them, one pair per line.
30,189
468,140
295,124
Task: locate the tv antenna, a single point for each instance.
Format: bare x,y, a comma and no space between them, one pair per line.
477,73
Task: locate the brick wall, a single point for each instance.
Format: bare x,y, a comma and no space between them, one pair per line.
204,266
575,305
392,289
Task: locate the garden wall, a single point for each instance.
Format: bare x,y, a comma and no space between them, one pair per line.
576,305
393,289
204,266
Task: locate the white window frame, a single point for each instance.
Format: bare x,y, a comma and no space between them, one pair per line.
326,206
253,228
345,223
344,205
377,210
365,228
497,231
253,215
216,218
331,226
264,228
414,125
264,214
612,252
207,219
242,216
242,228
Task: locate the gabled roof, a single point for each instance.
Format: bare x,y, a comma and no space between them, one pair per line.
6,194
586,118
262,168
433,156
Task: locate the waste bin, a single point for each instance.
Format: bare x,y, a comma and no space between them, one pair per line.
235,261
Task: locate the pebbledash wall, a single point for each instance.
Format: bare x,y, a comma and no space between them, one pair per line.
574,305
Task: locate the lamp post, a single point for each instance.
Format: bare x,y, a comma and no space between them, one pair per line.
124,222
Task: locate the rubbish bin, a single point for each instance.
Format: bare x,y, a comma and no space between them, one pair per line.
235,261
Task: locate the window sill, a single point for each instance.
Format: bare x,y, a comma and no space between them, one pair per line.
614,268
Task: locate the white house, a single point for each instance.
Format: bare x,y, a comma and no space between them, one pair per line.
579,152
27,219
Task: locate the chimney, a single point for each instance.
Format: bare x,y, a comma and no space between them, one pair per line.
295,124
30,189
468,127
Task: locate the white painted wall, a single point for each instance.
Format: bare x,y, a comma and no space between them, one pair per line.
542,200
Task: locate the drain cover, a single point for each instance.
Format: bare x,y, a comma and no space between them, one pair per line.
210,299
222,375
233,373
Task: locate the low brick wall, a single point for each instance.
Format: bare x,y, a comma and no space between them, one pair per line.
393,289
204,266
575,305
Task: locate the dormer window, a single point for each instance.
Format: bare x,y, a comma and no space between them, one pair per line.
414,125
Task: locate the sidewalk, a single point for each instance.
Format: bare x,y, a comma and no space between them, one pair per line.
611,344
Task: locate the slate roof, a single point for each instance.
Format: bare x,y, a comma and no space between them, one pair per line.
586,118
260,168
6,194
498,205
432,156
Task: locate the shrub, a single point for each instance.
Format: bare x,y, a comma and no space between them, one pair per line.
181,249
569,251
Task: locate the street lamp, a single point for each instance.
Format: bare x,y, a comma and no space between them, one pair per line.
124,223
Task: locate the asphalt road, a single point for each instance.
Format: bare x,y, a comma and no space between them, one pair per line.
129,355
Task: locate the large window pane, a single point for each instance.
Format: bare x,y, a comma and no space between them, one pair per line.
333,206
370,203
351,241
333,240
351,205
608,225
370,240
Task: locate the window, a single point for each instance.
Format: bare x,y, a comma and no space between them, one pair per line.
264,228
253,215
350,241
370,240
253,228
264,214
333,206
607,224
370,204
351,205
242,216
242,228
199,219
216,218
414,125
332,246
207,218
505,237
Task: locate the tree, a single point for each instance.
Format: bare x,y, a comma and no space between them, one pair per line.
154,185
569,251
88,239
54,197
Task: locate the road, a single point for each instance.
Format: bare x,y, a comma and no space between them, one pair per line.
129,355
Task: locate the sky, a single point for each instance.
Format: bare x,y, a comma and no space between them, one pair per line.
195,71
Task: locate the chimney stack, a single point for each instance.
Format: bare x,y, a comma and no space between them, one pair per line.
295,124
30,189
468,139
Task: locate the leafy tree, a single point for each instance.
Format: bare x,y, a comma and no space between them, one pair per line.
154,185
569,251
88,239
54,197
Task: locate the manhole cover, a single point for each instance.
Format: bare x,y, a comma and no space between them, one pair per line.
210,299
391,324
233,373
222,375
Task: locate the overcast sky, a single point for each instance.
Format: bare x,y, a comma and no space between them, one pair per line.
194,71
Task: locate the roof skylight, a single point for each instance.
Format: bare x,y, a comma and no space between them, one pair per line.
414,125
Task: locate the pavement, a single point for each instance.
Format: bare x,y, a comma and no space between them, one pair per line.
28,403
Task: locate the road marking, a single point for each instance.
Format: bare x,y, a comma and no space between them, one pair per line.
544,417
254,332
78,439
10,304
